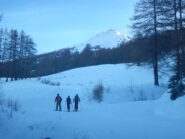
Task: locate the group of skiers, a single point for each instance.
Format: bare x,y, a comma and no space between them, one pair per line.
58,101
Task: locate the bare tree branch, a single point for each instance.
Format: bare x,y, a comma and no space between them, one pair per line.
1,17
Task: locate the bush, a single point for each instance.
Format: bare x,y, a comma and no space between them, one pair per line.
98,92
141,96
1,98
45,81
14,106
48,82
39,78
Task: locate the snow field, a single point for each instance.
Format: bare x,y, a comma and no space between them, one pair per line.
132,107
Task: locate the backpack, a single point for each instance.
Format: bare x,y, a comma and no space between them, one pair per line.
58,99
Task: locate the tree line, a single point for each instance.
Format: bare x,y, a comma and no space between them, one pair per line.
67,58
137,51
16,52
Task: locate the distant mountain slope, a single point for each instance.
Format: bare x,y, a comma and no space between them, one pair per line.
70,57
106,39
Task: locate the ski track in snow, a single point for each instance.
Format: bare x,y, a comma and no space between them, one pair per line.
119,116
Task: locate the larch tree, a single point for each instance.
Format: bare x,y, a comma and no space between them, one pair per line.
146,22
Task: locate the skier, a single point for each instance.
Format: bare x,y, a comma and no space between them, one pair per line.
58,101
68,101
76,100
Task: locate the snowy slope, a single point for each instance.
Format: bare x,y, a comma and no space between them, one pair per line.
118,79
119,116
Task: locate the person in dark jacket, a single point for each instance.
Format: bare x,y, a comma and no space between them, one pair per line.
68,101
58,101
76,100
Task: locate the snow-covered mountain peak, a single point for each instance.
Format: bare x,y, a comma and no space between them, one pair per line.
111,33
107,39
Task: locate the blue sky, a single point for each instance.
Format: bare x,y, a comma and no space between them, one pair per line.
55,24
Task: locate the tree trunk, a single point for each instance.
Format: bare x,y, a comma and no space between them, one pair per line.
156,78
181,39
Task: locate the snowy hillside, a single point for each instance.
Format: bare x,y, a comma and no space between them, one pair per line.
118,81
107,39
132,107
